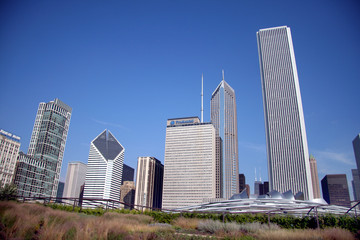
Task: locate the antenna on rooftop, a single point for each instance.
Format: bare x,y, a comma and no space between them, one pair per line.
202,97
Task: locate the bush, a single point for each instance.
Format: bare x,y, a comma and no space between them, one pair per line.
8,192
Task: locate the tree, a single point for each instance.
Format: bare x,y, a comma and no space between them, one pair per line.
8,192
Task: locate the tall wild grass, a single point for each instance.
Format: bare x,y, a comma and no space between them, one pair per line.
33,221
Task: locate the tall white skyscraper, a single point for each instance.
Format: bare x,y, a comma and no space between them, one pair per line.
190,163
224,119
104,169
286,141
75,178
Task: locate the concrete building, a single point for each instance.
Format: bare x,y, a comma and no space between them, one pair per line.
314,177
127,194
9,150
46,150
335,189
190,163
149,183
104,169
224,119
75,178
286,141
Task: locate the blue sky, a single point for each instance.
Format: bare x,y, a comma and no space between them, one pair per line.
128,66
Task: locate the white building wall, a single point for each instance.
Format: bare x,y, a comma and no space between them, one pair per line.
189,166
103,176
287,148
9,150
75,178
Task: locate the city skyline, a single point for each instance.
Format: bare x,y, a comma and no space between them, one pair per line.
58,55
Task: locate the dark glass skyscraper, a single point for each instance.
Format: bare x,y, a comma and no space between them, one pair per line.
127,174
356,175
356,146
335,189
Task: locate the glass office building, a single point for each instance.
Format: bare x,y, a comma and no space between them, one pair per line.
46,151
224,119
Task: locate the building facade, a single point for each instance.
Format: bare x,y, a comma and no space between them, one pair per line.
314,177
257,187
9,150
104,168
127,194
60,191
264,188
31,177
127,174
356,184
356,147
190,162
286,142
75,178
149,183
242,182
47,146
224,119
335,189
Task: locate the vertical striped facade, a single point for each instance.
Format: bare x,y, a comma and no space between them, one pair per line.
224,119
190,163
149,183
287,148
104,169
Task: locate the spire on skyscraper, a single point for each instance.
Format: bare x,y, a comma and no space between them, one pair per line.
202,97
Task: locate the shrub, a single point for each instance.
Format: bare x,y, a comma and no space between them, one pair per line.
210,226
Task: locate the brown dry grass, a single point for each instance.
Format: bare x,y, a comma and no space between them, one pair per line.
32,221
27,221
307,234
186,223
